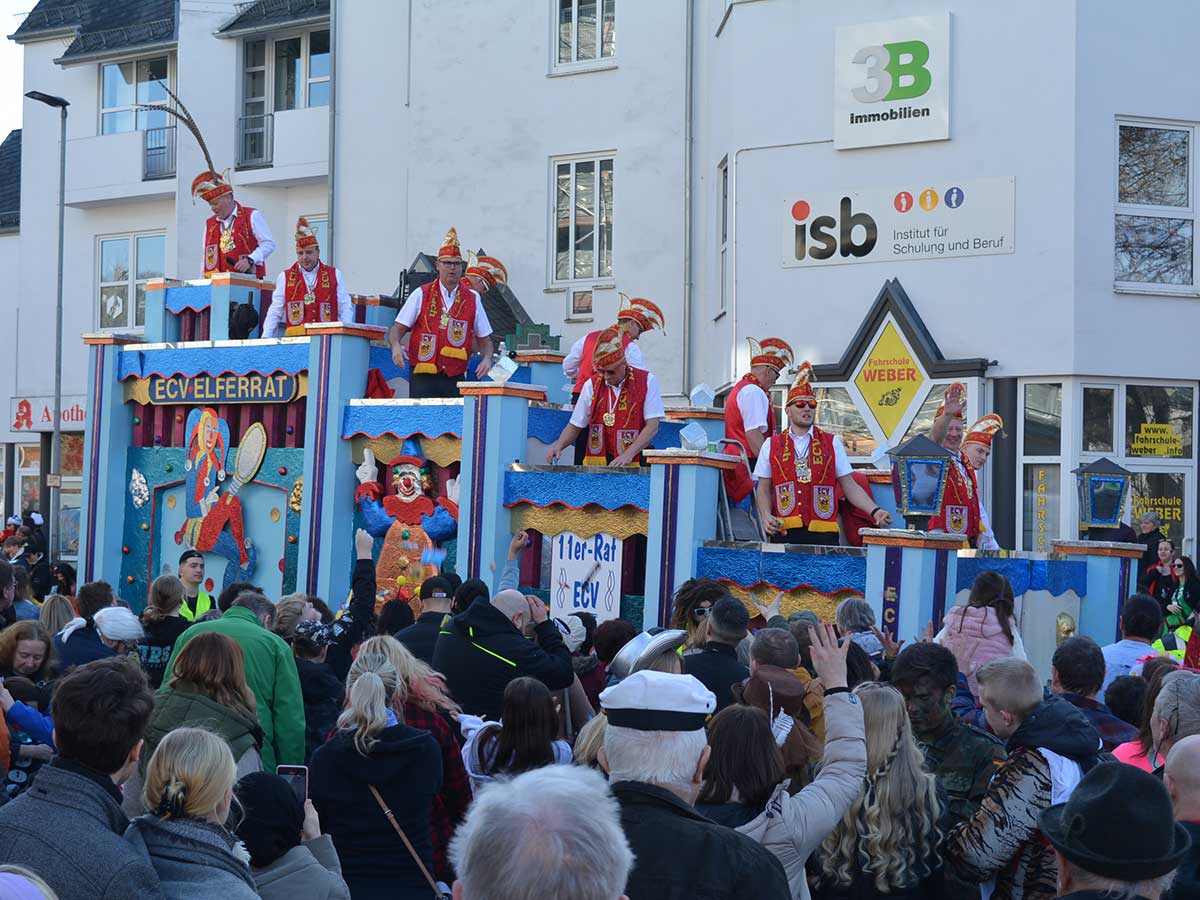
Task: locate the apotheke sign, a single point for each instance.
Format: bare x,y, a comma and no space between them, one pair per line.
892,82
937,219
37,413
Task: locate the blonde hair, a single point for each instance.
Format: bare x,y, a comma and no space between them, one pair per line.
590,739
33,878
57,612
419,682
289,611
890,831
1010,684
166,597
189,775
372,688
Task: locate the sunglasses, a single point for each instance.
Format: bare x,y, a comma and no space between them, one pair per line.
701,611
805,404
1177,565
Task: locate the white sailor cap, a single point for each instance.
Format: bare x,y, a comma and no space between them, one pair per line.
658,701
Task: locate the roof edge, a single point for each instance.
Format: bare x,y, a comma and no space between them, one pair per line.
40,34
268,28
120,53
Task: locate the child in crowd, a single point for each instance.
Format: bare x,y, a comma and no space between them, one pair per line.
984,629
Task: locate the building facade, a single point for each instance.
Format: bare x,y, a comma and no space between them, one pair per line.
911,194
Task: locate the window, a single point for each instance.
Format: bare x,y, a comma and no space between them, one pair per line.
583,219
1098,412
587,32
29,476
296,67
320,226
123,85
1043,419
837,413
1158,421
127,262
724,227
1154,233
581,304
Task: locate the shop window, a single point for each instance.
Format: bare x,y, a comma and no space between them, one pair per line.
837,413
1098,409
1158,421
1162,492
29,476
1041,506
1043,419
923,421
1154,229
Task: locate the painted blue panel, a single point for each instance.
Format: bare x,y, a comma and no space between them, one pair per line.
578,489
745,568
546,424
434,420
235,360
191,296
1054,575
668,436
381,358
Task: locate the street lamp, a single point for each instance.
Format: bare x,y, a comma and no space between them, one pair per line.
56,443
1102,486
919,471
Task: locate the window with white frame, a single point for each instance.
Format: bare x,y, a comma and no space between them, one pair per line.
126,263
586,31
582,222
320,226
124,85
285,73
1155,233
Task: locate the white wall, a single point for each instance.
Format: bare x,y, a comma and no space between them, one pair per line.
767,81
10,261
473,148
1127,65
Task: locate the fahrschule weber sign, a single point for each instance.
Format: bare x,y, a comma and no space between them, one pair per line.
892,82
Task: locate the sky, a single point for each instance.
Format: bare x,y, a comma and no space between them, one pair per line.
11,14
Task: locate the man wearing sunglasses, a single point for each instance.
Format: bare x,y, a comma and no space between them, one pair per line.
799,472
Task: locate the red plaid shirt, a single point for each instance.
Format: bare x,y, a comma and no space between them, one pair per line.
450,804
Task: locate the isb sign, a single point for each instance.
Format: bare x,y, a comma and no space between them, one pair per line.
933,220
892,82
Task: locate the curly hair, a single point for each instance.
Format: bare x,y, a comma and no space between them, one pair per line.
890,832
688,597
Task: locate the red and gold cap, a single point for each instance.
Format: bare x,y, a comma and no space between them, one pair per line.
208,186
305,236
984,430
487,268
801,388
645,312
941,410
609,349
772,352
450,250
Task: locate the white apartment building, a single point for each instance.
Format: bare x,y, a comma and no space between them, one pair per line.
1031,205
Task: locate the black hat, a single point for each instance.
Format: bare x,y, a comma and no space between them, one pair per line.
1118,823
189,554
436,588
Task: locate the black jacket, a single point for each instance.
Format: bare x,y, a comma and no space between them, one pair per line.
405,766
154,651
1061,728
421,636
680,855
718,668
1150,541
323,696
83,646
480,652
1187,876
357,623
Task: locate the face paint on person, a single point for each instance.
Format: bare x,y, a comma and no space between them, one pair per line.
928,706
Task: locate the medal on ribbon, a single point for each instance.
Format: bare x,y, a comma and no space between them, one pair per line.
226,240
610,419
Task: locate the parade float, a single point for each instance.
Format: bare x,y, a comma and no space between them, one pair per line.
265,455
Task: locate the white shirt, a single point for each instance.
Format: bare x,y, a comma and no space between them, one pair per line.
345,310
754,405
651,409
633,356
412,309
262,234
986,540
841,463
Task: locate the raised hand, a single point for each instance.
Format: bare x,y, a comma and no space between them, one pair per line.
770,610
891,646
828,659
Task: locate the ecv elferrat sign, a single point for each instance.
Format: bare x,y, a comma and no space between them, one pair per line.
892,82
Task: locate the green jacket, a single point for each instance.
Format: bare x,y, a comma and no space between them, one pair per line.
271,675
175,708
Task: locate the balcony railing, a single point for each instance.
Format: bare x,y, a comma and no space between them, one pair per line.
255,140
158,153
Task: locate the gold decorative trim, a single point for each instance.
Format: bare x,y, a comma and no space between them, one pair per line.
586,522
824,605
